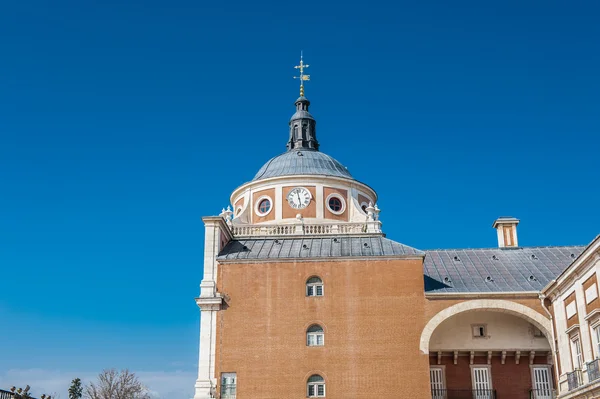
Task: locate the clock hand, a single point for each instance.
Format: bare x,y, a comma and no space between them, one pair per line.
298,195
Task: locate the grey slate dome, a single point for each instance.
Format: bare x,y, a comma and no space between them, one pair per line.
302,156
302,162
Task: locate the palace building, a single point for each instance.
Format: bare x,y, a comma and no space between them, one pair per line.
303,295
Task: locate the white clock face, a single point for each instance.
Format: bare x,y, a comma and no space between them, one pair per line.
299,198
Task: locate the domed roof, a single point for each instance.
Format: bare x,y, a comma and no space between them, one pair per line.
302,162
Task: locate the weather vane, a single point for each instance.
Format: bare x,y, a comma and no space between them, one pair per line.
303,78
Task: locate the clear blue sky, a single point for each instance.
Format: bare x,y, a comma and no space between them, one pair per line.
113,115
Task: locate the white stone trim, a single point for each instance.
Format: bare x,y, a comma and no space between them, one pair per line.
342,200
258,201
494,305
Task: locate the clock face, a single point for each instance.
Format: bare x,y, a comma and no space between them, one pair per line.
299,198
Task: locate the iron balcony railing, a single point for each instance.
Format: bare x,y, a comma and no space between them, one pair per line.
593,370
542,394
463,394
574,379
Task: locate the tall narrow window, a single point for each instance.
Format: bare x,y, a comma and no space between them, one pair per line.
597,338
315,388
314,287
577,355
315,336
228,385
438,383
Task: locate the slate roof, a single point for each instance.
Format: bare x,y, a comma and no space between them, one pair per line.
445,270
314,247
304,162
510,269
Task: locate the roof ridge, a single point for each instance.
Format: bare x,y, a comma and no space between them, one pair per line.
502,249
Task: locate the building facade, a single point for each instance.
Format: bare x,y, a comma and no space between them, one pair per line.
575,309
303,295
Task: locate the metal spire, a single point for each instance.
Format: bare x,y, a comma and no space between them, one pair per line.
303,78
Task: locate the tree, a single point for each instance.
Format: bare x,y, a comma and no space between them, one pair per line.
75,390
113,384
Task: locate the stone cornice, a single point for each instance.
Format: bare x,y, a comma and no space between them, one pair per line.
323,259
209,303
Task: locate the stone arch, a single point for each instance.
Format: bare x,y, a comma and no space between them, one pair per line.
494,305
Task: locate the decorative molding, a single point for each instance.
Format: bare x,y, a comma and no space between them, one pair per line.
439,357
489,357
471,357
517,357
455,357
210,303
531,357
503,357
573,329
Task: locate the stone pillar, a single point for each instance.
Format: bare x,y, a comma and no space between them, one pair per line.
207,381
217,234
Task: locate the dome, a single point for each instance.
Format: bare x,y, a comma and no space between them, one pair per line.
302,162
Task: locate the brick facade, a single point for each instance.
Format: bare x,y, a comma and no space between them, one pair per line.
373,313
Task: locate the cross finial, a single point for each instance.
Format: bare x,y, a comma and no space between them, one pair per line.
303,78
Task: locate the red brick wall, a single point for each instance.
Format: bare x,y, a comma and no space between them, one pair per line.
372,313
510,380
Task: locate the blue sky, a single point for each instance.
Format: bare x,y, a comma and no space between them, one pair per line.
113,115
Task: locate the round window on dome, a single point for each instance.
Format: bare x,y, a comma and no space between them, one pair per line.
336,204
263,206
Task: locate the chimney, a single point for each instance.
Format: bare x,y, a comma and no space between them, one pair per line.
506,226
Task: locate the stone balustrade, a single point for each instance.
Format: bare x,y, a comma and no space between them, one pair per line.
306,229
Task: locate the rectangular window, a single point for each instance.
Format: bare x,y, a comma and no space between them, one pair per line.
316,390
228,385
315,339
438,383
319,290
482,383
479,330
320,390
596,335
571,309
591,293
310,290
577,356
542,383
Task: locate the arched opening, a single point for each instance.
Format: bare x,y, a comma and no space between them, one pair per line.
489,348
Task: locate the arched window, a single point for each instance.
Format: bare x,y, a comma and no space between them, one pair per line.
315,388
314,287
315,336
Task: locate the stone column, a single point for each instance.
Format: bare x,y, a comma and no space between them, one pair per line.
207,382
217,234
